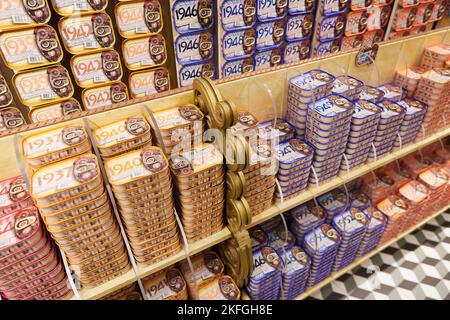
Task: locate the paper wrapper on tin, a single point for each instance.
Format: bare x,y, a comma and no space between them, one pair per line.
199,187
207,268
352,226
321,244
142,187
54,145
122,136
264,283
167,284
79,218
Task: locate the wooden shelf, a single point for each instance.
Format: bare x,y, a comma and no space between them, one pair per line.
354,173
146,270
357,262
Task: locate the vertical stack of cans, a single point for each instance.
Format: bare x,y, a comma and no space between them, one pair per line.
330,26
416,195
294,157
140,23
435,56
299,30
327,129
321,245
121,136
412,121
351,225
73,202
374,231
193,37
237,36
167,284
25,247
264,283
260,176
270,33
143,190
396,212
304,89
54,145
409,79
305,218
31,268
333,202
364,123
436,180
388,127
179,127
199,184
87,33
295,273
433,90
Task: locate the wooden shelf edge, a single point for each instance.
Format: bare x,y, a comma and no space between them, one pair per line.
144,270
357,172
359,261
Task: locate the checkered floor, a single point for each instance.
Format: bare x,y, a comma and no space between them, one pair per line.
417,267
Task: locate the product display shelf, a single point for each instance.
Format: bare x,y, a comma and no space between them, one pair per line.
359,261
315,191
145,270
246,92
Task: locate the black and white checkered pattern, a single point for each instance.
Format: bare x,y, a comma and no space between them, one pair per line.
416,267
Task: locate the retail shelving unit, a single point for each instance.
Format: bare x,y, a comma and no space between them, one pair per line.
264,95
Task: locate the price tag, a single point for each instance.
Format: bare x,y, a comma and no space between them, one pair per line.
35,59
48,96
90,45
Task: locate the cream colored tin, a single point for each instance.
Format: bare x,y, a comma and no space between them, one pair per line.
138,18
145,52
87,33
43,86
149,82
70,7
104,96
17,14
30,48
